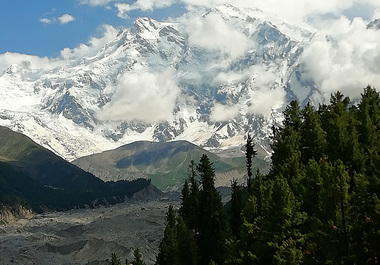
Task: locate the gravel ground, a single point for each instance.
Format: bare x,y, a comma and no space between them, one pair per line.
86,236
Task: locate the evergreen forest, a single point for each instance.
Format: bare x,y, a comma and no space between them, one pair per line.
318,204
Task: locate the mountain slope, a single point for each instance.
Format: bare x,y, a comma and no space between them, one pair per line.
166,164
43,179
155,82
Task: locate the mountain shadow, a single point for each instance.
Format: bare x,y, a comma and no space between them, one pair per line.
43,180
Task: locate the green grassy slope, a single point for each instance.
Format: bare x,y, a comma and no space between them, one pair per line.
166,164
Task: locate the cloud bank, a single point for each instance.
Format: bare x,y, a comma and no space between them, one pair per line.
344,57
92,47
143,5
265,100
29,61
213,33
146,96
297,11
220,112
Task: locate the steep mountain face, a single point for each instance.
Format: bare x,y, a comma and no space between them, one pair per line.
68,109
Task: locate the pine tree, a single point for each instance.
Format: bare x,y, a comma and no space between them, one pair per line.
187,247
368,115
334,213
250,153
115,259
257,190
236,219
168,248
335,122
287,153
212,229
313,137
288,253
185,209
366,188
189,199
137,257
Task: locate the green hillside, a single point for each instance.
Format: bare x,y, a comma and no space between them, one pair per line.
44,180
166,164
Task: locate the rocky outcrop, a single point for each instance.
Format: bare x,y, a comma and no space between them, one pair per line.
13,213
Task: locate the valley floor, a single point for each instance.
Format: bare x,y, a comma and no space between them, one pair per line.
86,236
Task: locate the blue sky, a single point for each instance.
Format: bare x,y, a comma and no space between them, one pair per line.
47,34
45,27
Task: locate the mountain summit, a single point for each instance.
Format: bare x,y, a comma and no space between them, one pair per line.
208,80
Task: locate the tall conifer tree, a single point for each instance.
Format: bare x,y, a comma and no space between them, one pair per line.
212,229
250,153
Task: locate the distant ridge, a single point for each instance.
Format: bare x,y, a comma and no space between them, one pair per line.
166,164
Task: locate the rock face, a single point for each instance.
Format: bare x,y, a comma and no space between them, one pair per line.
13,213
72,107
155,81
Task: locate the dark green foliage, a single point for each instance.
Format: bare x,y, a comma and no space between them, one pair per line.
190,198
250,153
319,204
201,227
168,248
212,228
187,246
137,257
178,245
115,259
313,137
236,218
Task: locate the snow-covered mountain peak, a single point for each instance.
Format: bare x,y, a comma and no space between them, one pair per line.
162,81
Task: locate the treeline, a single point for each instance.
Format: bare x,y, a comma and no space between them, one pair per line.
137,259
319,204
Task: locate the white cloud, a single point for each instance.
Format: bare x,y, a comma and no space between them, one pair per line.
234,77
32,62
145,96
213,33
297,11
82,50
93,45
95,2
344,57
66,18
264,100
46,20
144,5
123,9
220,112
